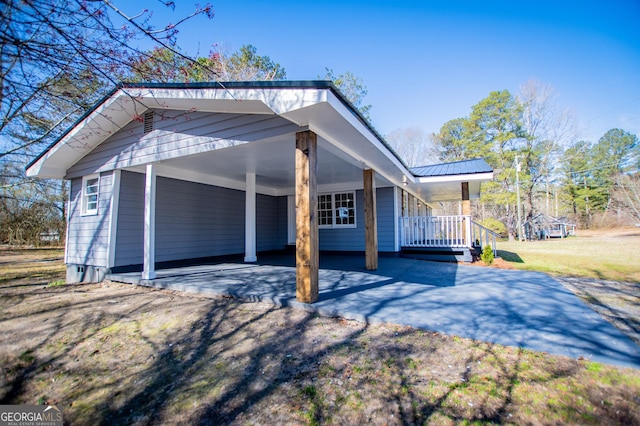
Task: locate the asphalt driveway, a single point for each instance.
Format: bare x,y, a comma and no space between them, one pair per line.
515,308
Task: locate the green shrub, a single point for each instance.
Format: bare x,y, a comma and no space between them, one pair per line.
56,283
487,254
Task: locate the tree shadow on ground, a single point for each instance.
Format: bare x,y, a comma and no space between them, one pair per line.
118,354
510,256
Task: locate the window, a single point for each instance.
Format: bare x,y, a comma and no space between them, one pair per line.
90,192
325,210
337,210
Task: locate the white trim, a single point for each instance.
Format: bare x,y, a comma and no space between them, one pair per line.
84,211
291,219
148,272
68,220
103,121
340,187
191,176
117,111
339,106
457,178
336,187
250,219
113,218
396,220
333,208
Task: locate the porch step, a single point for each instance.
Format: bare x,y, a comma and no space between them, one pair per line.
440,254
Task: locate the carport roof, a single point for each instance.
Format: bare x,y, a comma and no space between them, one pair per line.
287,84
315,105
464,167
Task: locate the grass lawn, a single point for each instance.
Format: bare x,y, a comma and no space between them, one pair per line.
601,254
120,354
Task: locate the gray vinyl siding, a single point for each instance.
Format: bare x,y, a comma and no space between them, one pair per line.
386,220
130,233
282,223
193,220
271,216
178,133
88,236
197,220
352,239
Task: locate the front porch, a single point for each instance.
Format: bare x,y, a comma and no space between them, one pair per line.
455,237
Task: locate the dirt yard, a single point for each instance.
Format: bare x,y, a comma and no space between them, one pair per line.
117,354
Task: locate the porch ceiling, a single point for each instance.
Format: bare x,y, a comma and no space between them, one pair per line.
273,162
447,191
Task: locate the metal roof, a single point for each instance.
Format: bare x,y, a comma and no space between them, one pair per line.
465,167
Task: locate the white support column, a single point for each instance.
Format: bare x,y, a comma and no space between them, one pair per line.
396,219
113,218
149,271
250,219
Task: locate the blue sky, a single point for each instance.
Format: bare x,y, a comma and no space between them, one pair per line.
427,62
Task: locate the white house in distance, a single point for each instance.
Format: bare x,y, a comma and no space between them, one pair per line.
170,172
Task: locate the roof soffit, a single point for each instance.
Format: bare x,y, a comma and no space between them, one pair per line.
126,104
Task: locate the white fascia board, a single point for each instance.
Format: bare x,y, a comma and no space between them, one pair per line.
333,187
200,99
119,110
364,130
191,176
248,101
282,101
107,119
456,178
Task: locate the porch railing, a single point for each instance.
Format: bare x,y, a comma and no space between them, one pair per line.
436,231
482,237
445,231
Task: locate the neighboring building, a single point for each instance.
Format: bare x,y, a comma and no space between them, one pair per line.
171,172
541,227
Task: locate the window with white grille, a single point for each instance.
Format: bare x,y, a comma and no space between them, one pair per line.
337,210
90,194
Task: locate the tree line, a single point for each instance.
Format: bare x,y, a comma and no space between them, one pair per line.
593,183
59,57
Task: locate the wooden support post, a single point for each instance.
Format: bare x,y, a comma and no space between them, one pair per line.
466,203
370,221
307,257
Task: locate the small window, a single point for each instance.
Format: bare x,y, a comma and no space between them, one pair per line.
337,210
90,193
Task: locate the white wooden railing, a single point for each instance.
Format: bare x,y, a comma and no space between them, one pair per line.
481,237
436,231
445,231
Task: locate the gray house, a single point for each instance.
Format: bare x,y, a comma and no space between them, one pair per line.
173,172
542,226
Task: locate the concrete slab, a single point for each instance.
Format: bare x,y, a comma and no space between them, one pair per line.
515,308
